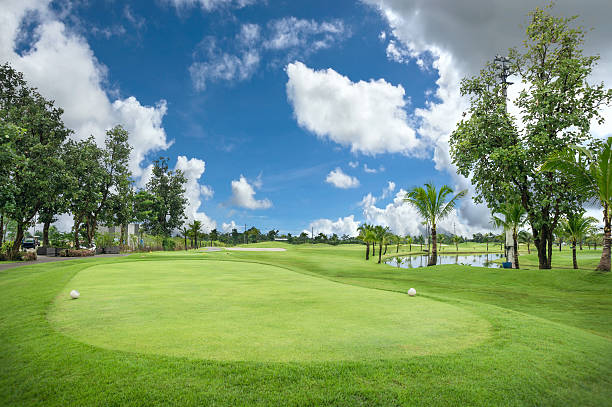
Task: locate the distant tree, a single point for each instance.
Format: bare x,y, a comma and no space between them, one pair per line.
432,206
576,226
382,234
166,200
194,230
527,238
366,235
185,231
456,241
409,239
272,234
214,235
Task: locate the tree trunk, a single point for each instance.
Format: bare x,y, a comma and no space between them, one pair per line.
385,249
122,239
580,244
604,262
550,250
1,229
46,226
516,253
367,250
77,226
373,249
397,251
528,249
379,252
185,236
574,254
540,244
17,242
433,259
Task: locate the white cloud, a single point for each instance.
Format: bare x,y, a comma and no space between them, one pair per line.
249,35
382,36
373,170
388,190
243,195
227,227
194,169
341,180
224,67
209,5
61,64
368,117
207,191
353,164
343,226
291,32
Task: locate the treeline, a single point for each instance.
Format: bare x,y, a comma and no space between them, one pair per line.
44,172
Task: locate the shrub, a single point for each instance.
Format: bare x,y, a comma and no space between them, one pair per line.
29,256
168,243
76,253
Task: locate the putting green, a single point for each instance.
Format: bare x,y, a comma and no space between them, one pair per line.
227,310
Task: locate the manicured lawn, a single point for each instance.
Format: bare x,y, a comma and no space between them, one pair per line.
315,325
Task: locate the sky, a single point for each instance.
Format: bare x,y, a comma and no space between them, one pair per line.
288,115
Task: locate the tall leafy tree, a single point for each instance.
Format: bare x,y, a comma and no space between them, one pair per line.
575,227
502,155
366,235
37,168
589,171
162,208
513,218
432,205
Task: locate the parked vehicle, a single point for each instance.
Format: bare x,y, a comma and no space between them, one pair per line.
29,243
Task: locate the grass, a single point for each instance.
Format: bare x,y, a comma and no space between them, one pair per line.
535,337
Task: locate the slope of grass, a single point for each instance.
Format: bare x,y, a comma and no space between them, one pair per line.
549,342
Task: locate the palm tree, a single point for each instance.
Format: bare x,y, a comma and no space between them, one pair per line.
366,234
409,242
382,234
526,237
431,204
590,173
514,218
185,233
456,240
194,227
575,227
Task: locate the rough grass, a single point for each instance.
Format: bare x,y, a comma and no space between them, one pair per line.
549,343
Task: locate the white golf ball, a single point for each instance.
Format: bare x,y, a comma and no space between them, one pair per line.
74,294
412,292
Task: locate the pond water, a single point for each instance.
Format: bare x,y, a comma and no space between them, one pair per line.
477,260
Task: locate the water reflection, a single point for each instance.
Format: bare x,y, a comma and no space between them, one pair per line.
477,260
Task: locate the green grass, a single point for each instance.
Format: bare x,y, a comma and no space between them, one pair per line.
547,334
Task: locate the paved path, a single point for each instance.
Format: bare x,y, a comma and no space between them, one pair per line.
49,259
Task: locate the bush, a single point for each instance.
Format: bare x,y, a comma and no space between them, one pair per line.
29,256
168,243
76,253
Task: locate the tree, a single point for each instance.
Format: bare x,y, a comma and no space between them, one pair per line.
366,234
456,241
32,135
185,231
214,235
165,202
590,174
501,155
272,234
432,206
575,227
527,238
513,218
194,230
409,242
83,181
382,235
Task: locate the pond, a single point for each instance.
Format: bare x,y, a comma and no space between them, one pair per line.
477,260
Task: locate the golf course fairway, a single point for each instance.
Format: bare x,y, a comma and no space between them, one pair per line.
236,310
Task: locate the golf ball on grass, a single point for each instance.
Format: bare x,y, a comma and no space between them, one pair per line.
74,294
412,292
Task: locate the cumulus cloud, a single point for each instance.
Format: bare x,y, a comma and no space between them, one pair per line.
193,169
227,227
341,180
76,80
388,190
343,226
368,117
224,66
243,195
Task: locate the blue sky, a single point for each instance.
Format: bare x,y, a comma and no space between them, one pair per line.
274,108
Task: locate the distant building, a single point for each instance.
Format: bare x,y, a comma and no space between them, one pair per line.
132,230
